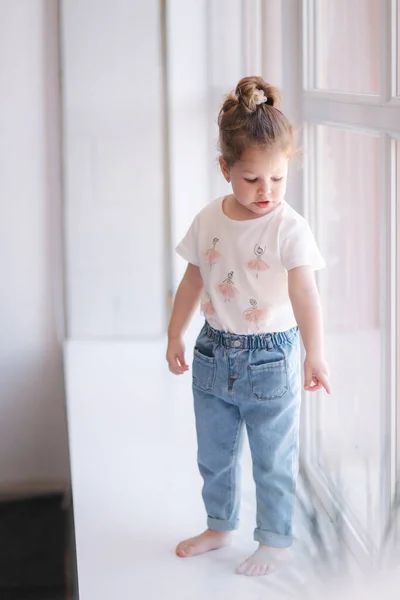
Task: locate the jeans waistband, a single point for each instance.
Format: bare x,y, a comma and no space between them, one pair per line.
267,341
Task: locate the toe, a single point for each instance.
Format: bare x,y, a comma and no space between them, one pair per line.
242,568
184,551
251,570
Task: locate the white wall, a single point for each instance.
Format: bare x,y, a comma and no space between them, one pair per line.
190,159
226,65
114,168
33,444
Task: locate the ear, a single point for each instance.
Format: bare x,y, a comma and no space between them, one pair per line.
225,169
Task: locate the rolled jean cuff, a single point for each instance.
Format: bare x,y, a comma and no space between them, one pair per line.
275,540
221,525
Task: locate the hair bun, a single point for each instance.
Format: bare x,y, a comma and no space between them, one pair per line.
248,119
253,91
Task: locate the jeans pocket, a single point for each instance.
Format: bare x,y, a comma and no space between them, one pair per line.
204,371
269,381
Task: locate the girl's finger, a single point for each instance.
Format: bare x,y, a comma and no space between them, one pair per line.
175,367
320,382
316,387
324,380
182,362
308,378
310,381
315,384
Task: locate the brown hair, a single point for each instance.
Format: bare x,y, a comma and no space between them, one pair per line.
243,123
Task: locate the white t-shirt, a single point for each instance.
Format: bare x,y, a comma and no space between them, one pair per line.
244,266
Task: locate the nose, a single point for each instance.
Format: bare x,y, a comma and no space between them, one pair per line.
265,189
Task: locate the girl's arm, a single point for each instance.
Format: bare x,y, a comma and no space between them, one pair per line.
304,296
186,301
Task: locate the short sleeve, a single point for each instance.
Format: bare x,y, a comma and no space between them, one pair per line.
188,246
298,247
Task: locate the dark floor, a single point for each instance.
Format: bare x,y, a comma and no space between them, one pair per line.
35,557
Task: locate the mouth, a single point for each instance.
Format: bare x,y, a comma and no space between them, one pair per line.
263,204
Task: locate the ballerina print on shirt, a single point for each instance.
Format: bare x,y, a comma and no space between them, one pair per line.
255,315
227,288
258,264
211,255
207,308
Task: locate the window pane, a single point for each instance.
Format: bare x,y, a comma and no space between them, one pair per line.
398,297
348,215
347,45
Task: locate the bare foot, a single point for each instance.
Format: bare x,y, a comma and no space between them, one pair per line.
209,540
264,561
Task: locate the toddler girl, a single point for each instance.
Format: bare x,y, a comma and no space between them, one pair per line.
251,262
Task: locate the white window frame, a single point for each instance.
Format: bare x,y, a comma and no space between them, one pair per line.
381,115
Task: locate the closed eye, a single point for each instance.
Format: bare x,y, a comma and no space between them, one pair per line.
275,179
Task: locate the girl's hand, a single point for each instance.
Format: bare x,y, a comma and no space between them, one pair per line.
316,374
176,356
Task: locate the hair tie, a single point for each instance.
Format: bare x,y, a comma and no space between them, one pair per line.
260,98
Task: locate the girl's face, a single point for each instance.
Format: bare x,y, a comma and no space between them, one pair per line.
258,179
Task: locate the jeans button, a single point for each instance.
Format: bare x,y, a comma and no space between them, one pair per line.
236,343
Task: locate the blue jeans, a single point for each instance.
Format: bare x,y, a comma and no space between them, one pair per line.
253,380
